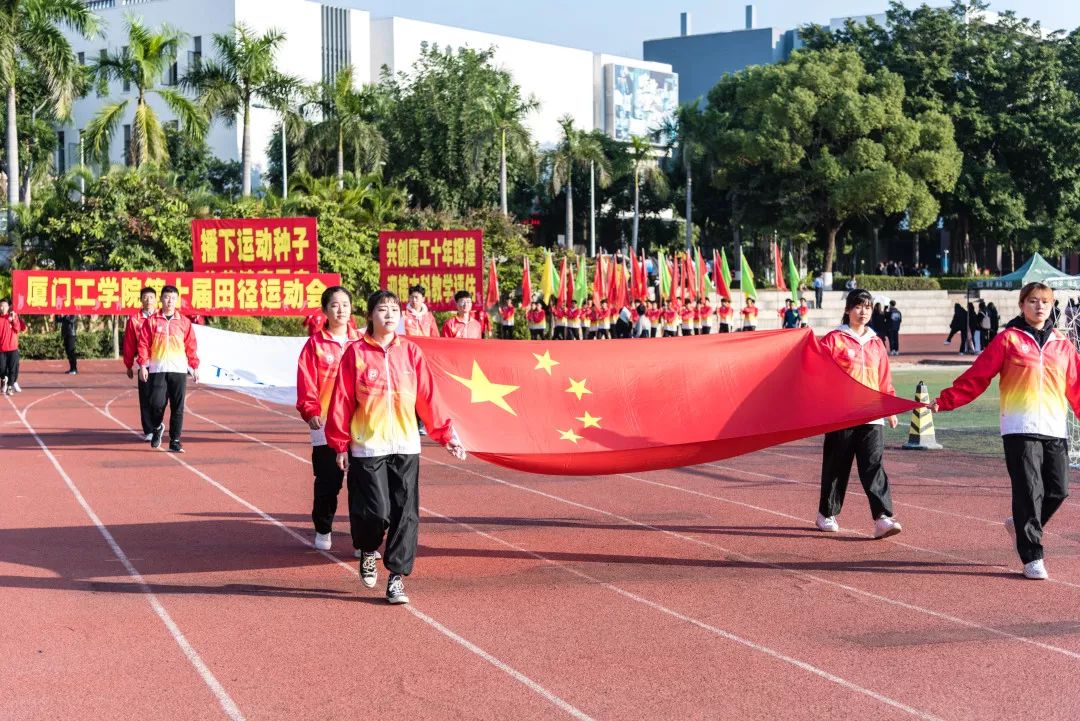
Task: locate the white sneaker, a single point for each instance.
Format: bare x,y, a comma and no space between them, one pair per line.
886,526
1036,570
828,525
322,541
16,387
357,553
148,436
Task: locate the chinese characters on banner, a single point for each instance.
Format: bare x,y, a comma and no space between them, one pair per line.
443,261
255,244
117,293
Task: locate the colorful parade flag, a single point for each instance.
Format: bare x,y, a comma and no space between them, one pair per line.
549,284
491,298
793,277
581,284
746,283
664,271
778,268
564,284
600,284
566,408
725,269
723,288
526,283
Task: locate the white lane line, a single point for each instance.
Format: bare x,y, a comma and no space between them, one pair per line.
792,481
529,683
777,566
849,685
224,700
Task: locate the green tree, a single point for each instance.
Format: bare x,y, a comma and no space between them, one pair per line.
504,114
681,134
646,172
243,73
817,141
148,55
345,120
577,149
30,33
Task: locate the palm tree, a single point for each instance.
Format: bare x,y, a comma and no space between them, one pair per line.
243,73
504,115
646,172
30,31
680,131
345,120
149,54
579,149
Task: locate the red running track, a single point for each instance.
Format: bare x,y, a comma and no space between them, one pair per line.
141,584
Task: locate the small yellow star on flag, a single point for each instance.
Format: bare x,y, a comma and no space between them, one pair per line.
484,391
545,362
578,388
589,421
569,436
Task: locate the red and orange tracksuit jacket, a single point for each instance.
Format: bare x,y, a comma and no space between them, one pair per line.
454,327
420,322
167,345
864,358
377,395
315,374
537,319
10,327
131,337
1038,384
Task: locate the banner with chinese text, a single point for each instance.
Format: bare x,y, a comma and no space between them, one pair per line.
117,293
443,261
255,244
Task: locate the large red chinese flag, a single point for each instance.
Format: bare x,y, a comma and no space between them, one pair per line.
564,282
526,283
594,409
778,268
492,296
718,277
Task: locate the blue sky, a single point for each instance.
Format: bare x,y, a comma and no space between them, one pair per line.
619,26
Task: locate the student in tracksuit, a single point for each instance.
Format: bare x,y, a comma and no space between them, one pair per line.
167,354
1039,383
315,374
148,299
10,327
862,355
383,381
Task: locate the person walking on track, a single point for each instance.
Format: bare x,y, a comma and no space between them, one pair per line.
167,354
1039,382
148,299
860,352
383,382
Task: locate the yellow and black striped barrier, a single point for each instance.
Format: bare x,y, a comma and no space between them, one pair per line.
921,436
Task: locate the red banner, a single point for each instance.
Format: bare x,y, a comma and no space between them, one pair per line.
443,261
584,409
117,293
255,244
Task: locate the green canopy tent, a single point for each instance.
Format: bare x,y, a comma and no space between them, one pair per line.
1035,270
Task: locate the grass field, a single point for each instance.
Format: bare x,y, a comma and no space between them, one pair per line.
972,429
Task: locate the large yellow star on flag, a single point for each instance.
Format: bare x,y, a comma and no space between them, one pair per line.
484,391
569,436
545,362
578,388
589,421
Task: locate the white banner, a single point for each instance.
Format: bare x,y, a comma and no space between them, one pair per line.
258,365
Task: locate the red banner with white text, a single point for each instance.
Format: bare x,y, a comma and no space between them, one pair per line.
46,292
255,244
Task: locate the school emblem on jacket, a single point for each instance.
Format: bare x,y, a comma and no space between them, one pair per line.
372,374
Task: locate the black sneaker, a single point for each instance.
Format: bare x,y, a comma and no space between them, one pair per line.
175,446
155,438
395,589
369,569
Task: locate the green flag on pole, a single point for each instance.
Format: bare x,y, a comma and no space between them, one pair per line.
747,282
665,276
581,283
725,269
793,278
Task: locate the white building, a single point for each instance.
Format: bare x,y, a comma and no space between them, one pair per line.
322,38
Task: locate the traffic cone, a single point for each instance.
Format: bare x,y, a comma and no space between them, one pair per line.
921,437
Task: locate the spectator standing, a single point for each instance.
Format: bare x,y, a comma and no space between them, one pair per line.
995,319
893,318
973,328
959,325
819,290
877,321
10,327
790,314
69,329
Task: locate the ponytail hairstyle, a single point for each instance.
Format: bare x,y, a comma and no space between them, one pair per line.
855,298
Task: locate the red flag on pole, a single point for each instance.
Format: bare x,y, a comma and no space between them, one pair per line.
718,277
563,284
691,277
612,283
599,287
492,296
620,286
676,282
778,268
526,283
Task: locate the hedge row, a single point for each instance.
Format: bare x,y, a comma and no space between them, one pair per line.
49,346
889,282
